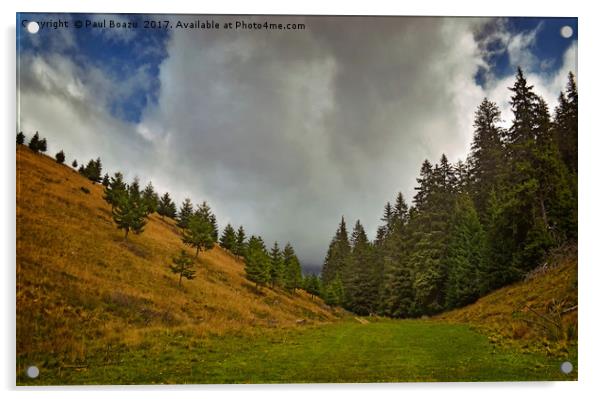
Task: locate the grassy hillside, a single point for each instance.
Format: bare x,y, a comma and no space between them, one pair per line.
538,314
82,291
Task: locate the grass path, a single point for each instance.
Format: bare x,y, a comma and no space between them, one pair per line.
381,351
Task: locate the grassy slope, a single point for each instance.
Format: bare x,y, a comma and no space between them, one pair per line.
82,290
536,315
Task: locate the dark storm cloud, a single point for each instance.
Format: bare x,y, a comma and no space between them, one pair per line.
285,131
290,130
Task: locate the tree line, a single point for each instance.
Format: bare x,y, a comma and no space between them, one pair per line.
131,206
473,226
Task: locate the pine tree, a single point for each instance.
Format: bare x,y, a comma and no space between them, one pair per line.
185,213
388,216
215,230
257,262
312,285
134,190
34,143
360,284
42,146
228,239
536,209
277,270
333,293
60,157
150,198
241,246
486,159
20,138
400,213
565,124
198,234
115,191
182,265
129,213
396,293
74,164
337,256
498,265
106,180
428,226
292,268
464,255
93,170
166,206
204,212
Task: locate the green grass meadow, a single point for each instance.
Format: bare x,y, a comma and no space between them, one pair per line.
348,351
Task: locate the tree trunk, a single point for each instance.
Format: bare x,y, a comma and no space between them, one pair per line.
180,281
127,230
197,252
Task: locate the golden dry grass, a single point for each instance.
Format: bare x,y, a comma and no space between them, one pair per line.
81,287
538,314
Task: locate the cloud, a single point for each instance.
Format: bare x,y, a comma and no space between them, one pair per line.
69,104
283,131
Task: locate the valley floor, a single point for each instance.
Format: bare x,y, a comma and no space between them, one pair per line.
347,351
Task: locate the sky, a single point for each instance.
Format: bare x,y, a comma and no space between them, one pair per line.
281,131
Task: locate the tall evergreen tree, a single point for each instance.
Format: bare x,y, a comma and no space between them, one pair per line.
205,213
292,268
257,262
241,244
337,256
214,228
486,159
565,124
74,163
150,198
129,213
186,211
116,190
429,225
464,257
134,190
277,270
106,180
20,138
535,209
396,293
360,285
166,207
198,234
228,239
